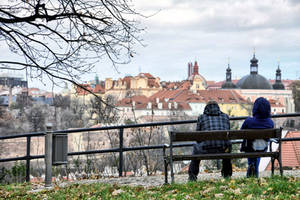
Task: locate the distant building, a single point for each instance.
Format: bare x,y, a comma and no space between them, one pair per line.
10,80
228,84
254,80
179,103
255,85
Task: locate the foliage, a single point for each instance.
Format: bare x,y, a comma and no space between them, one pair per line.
251,188
15,174
62,39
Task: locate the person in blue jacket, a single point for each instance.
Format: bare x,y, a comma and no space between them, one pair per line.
261,120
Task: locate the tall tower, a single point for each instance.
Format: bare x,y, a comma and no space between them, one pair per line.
253,65
278,85
196,68
228,83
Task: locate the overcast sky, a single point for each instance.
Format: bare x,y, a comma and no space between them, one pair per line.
210,31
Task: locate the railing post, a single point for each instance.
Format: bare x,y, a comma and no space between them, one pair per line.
121,152
48,156
28,159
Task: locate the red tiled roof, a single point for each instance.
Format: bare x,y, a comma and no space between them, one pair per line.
141,102
97,89
148,75
290,152
185,84
222,96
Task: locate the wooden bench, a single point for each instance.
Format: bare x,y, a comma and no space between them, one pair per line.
198,136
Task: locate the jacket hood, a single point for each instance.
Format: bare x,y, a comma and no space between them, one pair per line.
212,109
261,108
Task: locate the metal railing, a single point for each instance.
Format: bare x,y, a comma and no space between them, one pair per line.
121,148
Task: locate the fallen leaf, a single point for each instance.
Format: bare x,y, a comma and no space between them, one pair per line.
117,192
237,191
220,195
249,196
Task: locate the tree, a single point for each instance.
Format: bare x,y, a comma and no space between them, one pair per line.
36,116
296,94
63,39
103,112
6,122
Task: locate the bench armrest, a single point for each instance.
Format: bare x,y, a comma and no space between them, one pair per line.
274,140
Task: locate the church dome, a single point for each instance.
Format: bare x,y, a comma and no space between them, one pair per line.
254,80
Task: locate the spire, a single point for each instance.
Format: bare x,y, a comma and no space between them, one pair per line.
228,83
228,72
253,65
278,85
278,73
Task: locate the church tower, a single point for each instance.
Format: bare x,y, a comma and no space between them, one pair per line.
278,84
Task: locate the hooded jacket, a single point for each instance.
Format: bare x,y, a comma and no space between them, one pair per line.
213,119
261,120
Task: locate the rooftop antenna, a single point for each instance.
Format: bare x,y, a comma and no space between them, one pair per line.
140,69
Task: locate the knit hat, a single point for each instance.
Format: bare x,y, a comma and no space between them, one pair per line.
211,102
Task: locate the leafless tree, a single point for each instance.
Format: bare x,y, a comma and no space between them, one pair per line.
63,39
104,113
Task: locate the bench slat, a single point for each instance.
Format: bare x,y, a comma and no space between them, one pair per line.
225,135
223,155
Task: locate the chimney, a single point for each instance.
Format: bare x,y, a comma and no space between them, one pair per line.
149,105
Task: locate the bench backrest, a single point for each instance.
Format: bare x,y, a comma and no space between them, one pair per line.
178,136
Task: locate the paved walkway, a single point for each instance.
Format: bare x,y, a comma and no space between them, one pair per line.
158,180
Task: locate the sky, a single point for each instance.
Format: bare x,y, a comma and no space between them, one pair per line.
213,33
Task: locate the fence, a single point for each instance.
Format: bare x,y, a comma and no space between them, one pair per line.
121,149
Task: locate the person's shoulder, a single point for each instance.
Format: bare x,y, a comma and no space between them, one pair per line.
247,122
249,119
224,115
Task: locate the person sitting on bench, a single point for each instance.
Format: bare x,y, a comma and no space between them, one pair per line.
261,120
211,119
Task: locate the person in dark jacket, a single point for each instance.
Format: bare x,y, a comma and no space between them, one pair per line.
261,120
211,119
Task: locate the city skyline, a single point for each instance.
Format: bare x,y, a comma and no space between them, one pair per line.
210,32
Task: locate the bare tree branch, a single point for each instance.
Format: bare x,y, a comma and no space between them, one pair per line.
63,39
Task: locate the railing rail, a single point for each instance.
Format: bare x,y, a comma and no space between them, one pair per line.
121,148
